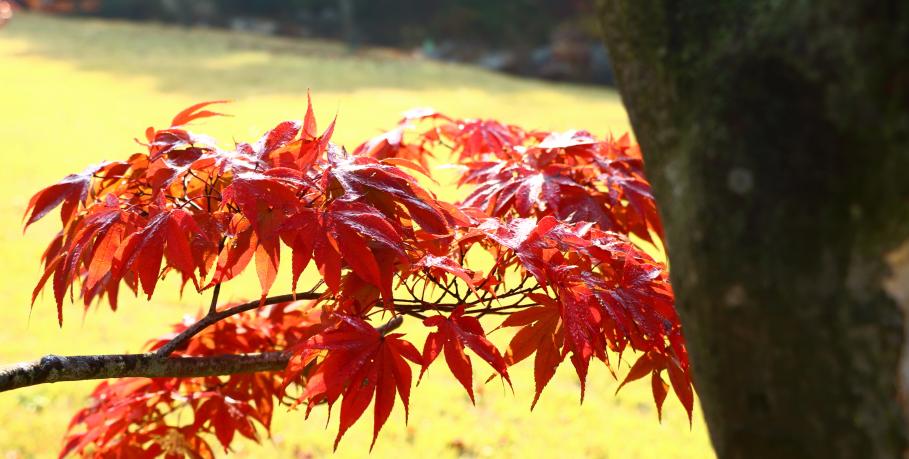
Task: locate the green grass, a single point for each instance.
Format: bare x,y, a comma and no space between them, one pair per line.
77,91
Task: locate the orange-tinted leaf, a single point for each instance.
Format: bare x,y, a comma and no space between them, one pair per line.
194,112
239,246
404,162
542,334
70,191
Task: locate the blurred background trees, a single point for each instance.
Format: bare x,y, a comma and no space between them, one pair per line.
550,39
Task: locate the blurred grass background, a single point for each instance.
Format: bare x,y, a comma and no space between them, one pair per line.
78,91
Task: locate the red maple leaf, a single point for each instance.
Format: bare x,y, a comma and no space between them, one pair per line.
167,233
362,233
357,362
70,191
452,335
383,186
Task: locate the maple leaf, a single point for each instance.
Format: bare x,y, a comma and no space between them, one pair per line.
653,363
581,322
194,112
240,243
70,191
452,335
556,328
541,333
391,148
552,210
165,141
94,241
530,193
266,200
114,404
473,138
522,237
312,144
627,300
299,232
567,139
436,265
420,114
277,137
570,175
383,185
361,232
328,259
221,407
166,233
359,363
226,416
639,214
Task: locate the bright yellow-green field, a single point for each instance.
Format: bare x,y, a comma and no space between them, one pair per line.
74,92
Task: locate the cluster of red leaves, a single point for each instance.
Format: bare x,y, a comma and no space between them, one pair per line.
554,211
141,417
572,175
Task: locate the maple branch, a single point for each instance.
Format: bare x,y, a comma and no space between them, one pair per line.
54,368
481,306
215,316
213,307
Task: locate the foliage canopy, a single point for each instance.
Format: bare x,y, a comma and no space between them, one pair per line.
553,211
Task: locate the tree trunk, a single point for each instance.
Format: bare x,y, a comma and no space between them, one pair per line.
777,138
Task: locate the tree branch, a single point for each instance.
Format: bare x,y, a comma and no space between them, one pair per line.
53,368
213,307
159,363
213,317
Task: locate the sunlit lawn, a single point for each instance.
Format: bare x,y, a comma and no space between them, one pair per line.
73,92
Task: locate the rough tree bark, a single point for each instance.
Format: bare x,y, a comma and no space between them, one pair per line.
55,368
777,138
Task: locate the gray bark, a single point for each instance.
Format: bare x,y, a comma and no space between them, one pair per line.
776,135
155,364
53,368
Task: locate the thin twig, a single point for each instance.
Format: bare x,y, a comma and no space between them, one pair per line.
210,319
213,308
